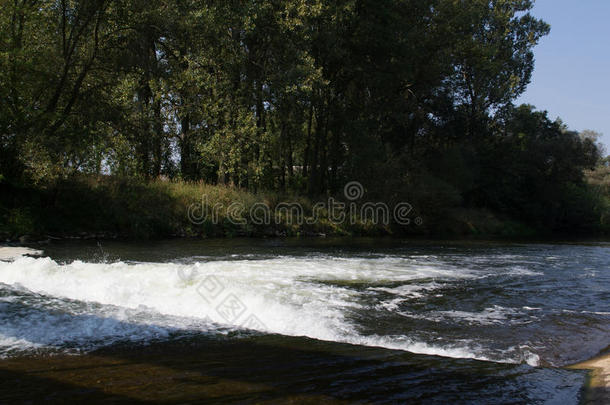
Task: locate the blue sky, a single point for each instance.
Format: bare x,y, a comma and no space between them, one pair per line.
572,75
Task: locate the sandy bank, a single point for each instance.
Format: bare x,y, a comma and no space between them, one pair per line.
598,388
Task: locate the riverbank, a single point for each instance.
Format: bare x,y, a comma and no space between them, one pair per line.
113,208
597,390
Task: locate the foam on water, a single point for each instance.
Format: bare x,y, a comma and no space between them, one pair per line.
86,305
8,253
489,316
409,290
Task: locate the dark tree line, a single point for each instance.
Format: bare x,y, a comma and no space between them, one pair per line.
296,95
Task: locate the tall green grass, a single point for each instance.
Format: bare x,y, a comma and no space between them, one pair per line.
108,207
128,208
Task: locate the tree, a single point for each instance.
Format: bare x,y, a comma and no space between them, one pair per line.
492,57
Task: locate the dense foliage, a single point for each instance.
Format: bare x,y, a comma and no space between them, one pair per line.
413,98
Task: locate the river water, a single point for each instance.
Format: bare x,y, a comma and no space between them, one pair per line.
510,312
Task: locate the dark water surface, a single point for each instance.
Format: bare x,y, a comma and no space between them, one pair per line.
308,320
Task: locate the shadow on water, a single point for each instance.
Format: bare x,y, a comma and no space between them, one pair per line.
596,395
248,368
25,387
170,249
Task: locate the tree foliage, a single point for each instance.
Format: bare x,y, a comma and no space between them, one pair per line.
299,95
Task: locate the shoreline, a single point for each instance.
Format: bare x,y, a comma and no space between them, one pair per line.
597,388
27,241
113,209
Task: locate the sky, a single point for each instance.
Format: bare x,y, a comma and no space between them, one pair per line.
571,79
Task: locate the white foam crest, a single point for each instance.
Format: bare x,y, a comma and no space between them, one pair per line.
9,344
405,343
48,329
523,271
289,295
286,295
409,290
13,253
489,316
466,349
585,312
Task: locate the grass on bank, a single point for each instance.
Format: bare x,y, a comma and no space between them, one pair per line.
128,208
107,207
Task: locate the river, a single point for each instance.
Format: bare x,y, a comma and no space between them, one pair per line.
419,320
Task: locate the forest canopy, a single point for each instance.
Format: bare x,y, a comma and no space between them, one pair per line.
412,98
